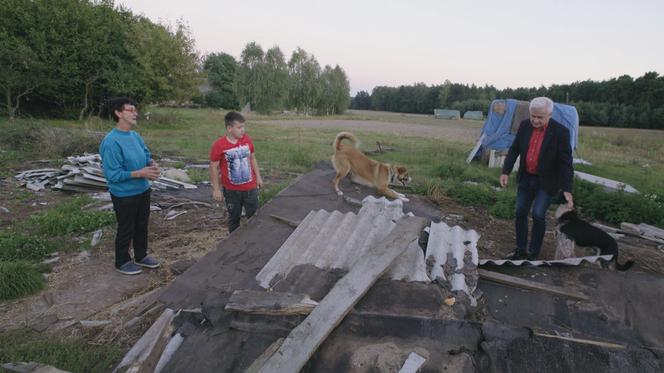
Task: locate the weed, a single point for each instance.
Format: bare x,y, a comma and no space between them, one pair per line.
18,279
18,246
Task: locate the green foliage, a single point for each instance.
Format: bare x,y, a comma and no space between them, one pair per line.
68,218
504,206
470,194
21,246
361,101
18,279
222,73
40,139
71,355
198,175
618,207
63,58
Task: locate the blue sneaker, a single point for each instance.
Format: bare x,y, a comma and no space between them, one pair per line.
148,262
129,268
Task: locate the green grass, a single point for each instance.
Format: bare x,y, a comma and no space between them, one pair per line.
22,246
197,175
18,279
68,218
71,355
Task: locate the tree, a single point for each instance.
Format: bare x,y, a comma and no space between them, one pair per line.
361,101
304,88
274,90
20,73
222,70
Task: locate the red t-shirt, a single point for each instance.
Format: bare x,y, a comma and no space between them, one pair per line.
534,147
235,163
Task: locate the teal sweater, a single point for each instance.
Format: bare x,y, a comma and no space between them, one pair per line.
121,153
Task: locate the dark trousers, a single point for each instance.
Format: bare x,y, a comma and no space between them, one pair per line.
133,215
235,200
531,194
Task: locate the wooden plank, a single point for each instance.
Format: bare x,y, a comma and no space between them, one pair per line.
260,360
270,303
291,223
303,341
606,183
584,341
530,285
651,231
475,149
144,355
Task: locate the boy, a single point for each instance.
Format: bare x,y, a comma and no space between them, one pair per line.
233,156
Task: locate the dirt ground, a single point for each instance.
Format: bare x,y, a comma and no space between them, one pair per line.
83,286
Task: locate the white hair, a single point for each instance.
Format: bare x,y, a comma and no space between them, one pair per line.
541,103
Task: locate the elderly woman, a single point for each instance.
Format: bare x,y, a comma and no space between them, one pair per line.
545,169
128,167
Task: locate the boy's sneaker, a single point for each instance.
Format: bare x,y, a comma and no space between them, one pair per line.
148,262
129,268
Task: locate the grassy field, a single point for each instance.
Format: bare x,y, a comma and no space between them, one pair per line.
629,155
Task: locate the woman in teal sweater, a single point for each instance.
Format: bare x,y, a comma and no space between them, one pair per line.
128,167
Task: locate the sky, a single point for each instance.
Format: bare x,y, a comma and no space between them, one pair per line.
507,43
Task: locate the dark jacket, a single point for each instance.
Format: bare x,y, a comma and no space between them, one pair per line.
554,166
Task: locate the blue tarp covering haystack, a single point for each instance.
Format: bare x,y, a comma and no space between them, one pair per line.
505,115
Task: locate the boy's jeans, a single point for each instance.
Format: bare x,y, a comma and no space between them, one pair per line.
235,200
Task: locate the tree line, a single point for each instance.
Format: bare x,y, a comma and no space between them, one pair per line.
617,102
268,82
65,58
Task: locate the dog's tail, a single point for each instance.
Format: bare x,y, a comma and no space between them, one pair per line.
620,267
345,135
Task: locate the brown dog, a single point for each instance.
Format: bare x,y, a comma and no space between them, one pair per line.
365,171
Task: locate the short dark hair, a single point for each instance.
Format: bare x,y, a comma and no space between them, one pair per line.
233,116
117,104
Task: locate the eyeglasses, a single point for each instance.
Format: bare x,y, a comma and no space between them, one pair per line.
131,110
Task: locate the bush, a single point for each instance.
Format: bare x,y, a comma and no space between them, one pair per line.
16,246
18,279
617,207
505,205
46,141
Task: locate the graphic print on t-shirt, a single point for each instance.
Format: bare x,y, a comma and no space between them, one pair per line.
239,166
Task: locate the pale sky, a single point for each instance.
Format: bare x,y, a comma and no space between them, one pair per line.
508,43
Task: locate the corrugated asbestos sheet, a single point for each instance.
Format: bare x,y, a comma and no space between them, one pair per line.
453,253
334,240
569,261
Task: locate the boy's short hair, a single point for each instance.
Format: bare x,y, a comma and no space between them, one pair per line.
117,104
233,116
